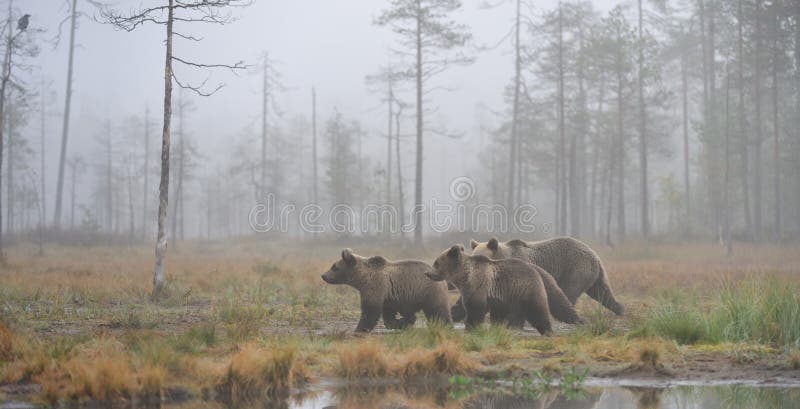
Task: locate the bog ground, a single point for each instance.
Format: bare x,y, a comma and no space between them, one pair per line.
253,319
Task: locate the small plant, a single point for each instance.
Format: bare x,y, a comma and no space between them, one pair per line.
573,379
794,360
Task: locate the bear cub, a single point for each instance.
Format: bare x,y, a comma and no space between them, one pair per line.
390,288
510,290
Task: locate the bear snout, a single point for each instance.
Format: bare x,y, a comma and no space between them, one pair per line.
325,279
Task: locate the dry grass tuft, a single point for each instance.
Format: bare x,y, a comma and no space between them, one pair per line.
649,356
257,372
7,341
104,375
366,359
447,359
794,360
152,379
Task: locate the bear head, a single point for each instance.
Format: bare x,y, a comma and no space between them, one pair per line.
449,265
492,249
351,268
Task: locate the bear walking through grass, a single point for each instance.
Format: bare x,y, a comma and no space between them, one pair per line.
390,288
510,290
574,265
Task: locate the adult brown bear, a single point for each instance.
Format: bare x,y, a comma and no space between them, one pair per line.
575,266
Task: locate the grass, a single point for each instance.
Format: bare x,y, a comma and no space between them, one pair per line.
765,311
365,359
256,372
240,326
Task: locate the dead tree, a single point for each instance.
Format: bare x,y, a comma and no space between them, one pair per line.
76,165
73,15
426,31
5,79
181,12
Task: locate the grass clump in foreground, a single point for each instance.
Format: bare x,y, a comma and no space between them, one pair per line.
257,372
763,311
369,360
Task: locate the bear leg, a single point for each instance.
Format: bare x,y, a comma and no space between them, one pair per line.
476,311
515,319
601,291
439,312
457,311
558,303
370,314
538,315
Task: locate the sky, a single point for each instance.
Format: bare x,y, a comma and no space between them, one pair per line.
330,45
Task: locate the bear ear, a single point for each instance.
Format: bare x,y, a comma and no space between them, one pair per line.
377,261
474,244
348,257
455,251
493,244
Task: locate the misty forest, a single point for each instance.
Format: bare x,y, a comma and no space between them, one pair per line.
400,203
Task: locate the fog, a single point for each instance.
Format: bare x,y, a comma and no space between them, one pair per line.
333,47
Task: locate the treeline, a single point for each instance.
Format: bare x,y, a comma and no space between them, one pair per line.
706,93
654,119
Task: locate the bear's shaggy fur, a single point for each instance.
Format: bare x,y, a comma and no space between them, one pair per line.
560,306
390,288
575,266
511,290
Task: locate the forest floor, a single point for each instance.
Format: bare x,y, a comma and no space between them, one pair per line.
254,318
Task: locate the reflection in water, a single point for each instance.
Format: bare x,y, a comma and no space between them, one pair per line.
435,395
430,396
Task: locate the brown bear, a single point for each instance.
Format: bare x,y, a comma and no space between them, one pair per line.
575,266
391,288
511,290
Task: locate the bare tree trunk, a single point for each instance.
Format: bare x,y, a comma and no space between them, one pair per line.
109,181
620,147
711,110
797,110
562,137
728,235
776,49
132,227
420,122
42,200
65,127
400,198
578,187
645,221
72,198
262,194
163,189
314,141
595,161
685,116
759,137
512,145
146,171
744,142
389,137
10,200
